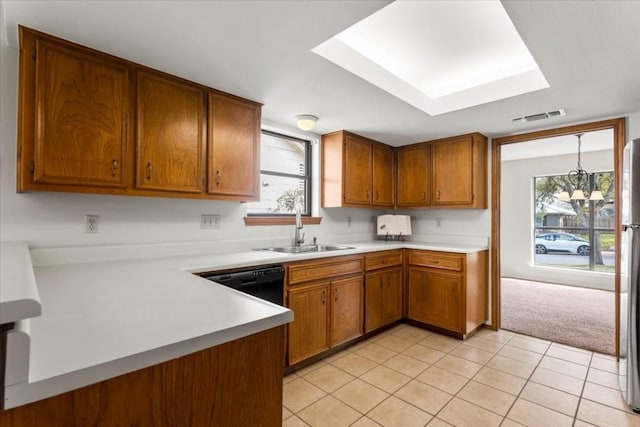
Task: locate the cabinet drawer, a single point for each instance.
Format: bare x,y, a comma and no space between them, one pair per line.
436,260
383,259
324,269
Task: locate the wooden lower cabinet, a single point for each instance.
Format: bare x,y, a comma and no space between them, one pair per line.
448,290
434,298
326,297
238,383
383,298
346,310
309,332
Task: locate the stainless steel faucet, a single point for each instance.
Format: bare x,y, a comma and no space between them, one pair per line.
297,239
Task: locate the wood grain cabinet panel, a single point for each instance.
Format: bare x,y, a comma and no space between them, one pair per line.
414,175
309,332
459,172
346,310
448,290
383,176
356,171
170,135
434,298
383,298
234,148
357,165
238,383
81,116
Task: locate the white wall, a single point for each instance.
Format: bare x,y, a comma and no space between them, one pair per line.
633,126
516,207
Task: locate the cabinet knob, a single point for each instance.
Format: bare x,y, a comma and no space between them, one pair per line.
367,193
324,296
438,195
424,195
149,171
454,284
377,195
336,289
218,176
114,168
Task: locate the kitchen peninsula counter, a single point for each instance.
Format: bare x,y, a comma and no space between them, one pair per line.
102,319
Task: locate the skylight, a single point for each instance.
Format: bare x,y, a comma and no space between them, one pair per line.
438,56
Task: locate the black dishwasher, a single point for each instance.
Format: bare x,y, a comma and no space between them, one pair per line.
266,283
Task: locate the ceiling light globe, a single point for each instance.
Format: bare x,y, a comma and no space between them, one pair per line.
306,122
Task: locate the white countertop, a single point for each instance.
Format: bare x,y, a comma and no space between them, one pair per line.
103,319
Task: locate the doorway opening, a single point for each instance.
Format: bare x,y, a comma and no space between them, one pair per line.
558,250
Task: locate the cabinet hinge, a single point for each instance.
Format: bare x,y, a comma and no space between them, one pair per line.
33,53
32,166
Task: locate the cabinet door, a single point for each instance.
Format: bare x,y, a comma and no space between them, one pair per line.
452,163
434,298
82,108
383,176
346,310
170,135
309,331
374,300
413,169
234,147
357,171
392,297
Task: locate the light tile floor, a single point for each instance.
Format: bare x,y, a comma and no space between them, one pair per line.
408,377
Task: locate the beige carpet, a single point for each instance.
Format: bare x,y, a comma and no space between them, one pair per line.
569,315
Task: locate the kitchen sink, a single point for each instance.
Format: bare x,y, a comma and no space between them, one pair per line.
305,248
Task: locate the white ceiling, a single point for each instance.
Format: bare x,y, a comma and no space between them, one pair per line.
439,56
589,53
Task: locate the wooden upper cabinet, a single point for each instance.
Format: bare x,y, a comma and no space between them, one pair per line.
170,134
383,176
357,168
79,129
234,148
459,171
356,171
414,175
90,122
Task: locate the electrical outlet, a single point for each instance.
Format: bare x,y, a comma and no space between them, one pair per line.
348,221
209,222
438,222
91,223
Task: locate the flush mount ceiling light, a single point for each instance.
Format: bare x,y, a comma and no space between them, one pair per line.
306,121
438,56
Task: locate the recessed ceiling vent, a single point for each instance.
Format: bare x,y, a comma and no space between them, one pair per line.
540,116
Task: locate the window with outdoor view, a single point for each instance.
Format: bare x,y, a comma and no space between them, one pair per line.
285,176
575,233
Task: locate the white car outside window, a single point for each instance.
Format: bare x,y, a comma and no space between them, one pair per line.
561,242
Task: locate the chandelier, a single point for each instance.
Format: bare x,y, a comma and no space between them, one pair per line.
581,180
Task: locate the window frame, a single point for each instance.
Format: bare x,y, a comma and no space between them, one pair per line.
307,177
591,228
